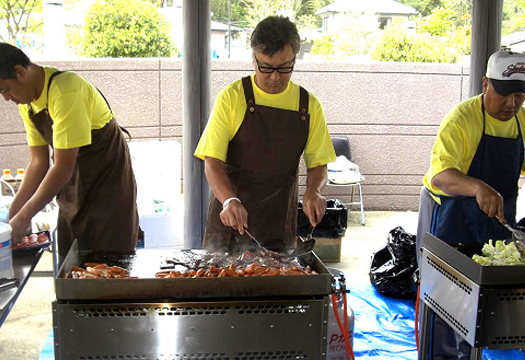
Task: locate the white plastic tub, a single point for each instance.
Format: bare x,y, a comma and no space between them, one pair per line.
6,257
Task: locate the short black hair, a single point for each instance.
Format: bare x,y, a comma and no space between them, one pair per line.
10,56
272,34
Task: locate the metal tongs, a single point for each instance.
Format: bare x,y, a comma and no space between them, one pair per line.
261,249
304,246
518,237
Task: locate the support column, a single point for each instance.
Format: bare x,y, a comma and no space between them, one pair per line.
487,16
196,73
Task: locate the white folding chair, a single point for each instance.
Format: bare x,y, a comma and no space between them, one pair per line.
342,147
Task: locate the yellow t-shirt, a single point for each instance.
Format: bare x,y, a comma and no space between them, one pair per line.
75,106
228,113
459,135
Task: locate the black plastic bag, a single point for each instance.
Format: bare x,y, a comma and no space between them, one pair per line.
332,226
393,268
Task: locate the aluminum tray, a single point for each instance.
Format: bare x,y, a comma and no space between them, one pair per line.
146,262
459,256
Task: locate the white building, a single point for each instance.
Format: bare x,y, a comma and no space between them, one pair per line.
375,14
514,41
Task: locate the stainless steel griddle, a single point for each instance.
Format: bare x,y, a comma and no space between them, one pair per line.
190,318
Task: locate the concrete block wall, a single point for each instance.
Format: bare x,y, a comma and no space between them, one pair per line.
389,111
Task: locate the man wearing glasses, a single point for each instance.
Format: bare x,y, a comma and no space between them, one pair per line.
258,129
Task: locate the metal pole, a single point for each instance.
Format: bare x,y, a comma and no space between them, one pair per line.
486,39
424,330
196,73
229,26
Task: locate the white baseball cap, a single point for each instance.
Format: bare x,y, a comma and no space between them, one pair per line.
506,71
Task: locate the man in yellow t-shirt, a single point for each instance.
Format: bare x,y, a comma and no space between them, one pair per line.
472,183
91,175
258,130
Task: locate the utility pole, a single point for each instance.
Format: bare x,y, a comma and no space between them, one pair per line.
229,25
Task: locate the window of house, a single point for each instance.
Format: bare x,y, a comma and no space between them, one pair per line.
384,22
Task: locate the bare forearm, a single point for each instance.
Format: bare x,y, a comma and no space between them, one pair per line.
54,180
218,179
454,182
314,204
316,179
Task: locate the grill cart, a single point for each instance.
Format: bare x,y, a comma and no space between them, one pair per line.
485,304
274,317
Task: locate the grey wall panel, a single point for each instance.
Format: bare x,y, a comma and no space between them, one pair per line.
389,111
10,117
13,157
152,132
171,131
133,95
10,139
171,98
383,98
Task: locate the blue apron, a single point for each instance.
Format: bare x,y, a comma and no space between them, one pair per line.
459,219
498,163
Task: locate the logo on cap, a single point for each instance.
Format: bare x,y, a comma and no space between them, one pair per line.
518,68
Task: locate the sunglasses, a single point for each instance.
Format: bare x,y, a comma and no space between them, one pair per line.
269,69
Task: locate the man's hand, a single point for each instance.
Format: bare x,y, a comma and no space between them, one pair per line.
235,216
314,207
490,202
314,204
19,227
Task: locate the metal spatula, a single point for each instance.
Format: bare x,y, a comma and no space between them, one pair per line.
304,246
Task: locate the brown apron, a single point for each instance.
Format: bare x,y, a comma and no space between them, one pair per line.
262,166
98,205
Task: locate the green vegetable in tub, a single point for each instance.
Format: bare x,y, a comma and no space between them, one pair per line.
499,254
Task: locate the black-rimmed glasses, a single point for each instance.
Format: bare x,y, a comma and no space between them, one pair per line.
269,69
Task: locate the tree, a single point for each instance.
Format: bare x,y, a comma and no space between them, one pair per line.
513,16
353,40
16,16
397,45
424,7
219,8
439,22
452,21
126,28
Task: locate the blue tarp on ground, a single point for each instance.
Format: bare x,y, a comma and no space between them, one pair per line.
384,329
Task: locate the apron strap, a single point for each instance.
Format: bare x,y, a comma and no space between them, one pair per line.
303,101
248,90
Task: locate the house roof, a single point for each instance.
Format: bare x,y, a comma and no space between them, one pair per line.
218,26
390,7
513,38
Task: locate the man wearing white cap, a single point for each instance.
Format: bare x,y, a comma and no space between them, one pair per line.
472,182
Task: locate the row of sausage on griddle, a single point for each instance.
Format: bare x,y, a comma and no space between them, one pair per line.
233,271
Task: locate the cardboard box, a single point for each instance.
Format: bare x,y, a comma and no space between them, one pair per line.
328,250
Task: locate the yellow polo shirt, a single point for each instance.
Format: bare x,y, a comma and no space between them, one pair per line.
75,106
459,135
228,113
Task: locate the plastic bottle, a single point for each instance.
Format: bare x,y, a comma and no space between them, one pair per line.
10,180
18,179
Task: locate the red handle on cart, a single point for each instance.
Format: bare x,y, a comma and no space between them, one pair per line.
416,319
348,348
